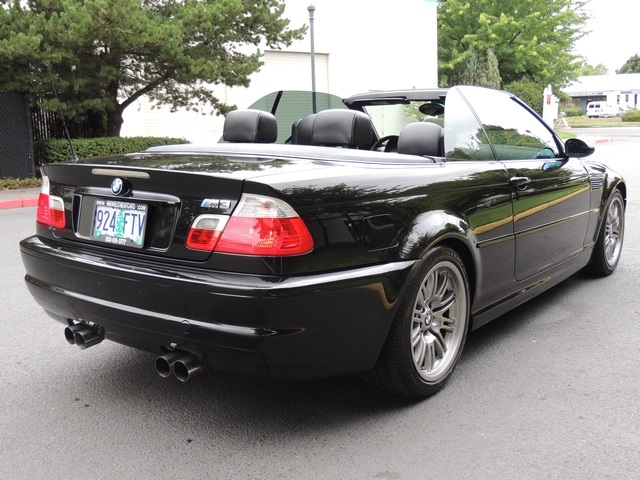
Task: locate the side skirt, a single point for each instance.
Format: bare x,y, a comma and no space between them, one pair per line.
528,289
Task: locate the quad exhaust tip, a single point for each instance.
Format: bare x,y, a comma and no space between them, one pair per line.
183,365
82,335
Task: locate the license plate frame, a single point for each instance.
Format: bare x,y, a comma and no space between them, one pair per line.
118,222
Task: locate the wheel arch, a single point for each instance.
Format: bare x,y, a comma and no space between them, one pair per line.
439,228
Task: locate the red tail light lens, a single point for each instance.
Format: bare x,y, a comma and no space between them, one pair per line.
265,236
265,226
50,209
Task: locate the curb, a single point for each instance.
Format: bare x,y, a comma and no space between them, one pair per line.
18,203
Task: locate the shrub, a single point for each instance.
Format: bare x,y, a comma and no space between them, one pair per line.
529,92
631,116
57,150
572,111
8,183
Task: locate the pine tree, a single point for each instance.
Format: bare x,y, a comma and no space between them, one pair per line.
102,55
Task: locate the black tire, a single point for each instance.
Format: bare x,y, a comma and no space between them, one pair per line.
608,247
430,328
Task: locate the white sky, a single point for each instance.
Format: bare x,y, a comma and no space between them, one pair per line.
615,33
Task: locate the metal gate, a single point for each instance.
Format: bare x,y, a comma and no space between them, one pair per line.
16,138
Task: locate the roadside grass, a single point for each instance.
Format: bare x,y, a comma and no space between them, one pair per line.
583,122
565,135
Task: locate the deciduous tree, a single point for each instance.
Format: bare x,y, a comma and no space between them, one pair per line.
587,70
631,66
531,39
105,54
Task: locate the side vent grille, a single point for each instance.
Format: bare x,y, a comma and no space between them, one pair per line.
596,183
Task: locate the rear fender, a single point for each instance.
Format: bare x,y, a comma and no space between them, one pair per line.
433,228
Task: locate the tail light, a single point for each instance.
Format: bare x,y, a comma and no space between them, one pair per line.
50,209
259,226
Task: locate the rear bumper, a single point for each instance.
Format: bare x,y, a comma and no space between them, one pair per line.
282,328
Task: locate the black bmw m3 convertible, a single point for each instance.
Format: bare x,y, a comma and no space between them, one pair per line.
369,236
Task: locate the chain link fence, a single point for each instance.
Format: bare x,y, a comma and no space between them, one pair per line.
16,137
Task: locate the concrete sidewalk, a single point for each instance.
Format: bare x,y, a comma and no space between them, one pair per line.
22,197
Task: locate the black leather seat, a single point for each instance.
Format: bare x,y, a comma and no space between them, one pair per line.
342,128
302,131
250,126
421,138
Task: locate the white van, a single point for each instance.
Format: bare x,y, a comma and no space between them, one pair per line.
601,109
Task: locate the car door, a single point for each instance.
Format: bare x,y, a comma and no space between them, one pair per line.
550,192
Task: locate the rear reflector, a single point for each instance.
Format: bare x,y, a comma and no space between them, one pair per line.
50,209
264,226
205,232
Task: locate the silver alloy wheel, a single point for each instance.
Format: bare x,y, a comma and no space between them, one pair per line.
439,321
613,231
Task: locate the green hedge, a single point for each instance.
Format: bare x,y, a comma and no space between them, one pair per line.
573,111
632,116
57,150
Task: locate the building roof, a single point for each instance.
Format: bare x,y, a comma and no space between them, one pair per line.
601,84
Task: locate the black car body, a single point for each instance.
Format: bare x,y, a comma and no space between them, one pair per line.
358,247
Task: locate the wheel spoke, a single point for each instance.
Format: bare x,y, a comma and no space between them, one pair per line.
442,285
416,336
448,324
446,304
429,357
439,343
419,352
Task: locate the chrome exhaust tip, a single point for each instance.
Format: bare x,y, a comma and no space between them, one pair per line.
82,335
70,332
187,367
165,363
87,337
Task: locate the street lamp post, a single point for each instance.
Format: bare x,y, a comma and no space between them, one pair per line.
311,9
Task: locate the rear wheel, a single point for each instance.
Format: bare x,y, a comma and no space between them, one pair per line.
430,328
608,248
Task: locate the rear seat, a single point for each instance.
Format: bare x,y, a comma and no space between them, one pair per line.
250,126
302,131
422,138
334,128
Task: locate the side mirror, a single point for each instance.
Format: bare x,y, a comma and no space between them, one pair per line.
576,148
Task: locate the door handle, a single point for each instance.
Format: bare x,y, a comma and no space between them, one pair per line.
519,181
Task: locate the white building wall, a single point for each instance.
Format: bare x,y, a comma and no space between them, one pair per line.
360,45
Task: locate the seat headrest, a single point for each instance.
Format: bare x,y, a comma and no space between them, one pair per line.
421,138
302,131
342,128
250,126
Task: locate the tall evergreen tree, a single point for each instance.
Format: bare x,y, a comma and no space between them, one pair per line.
481,70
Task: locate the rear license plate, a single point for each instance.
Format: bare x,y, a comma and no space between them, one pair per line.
119,223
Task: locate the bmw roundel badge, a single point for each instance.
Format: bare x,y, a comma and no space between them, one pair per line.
117,186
